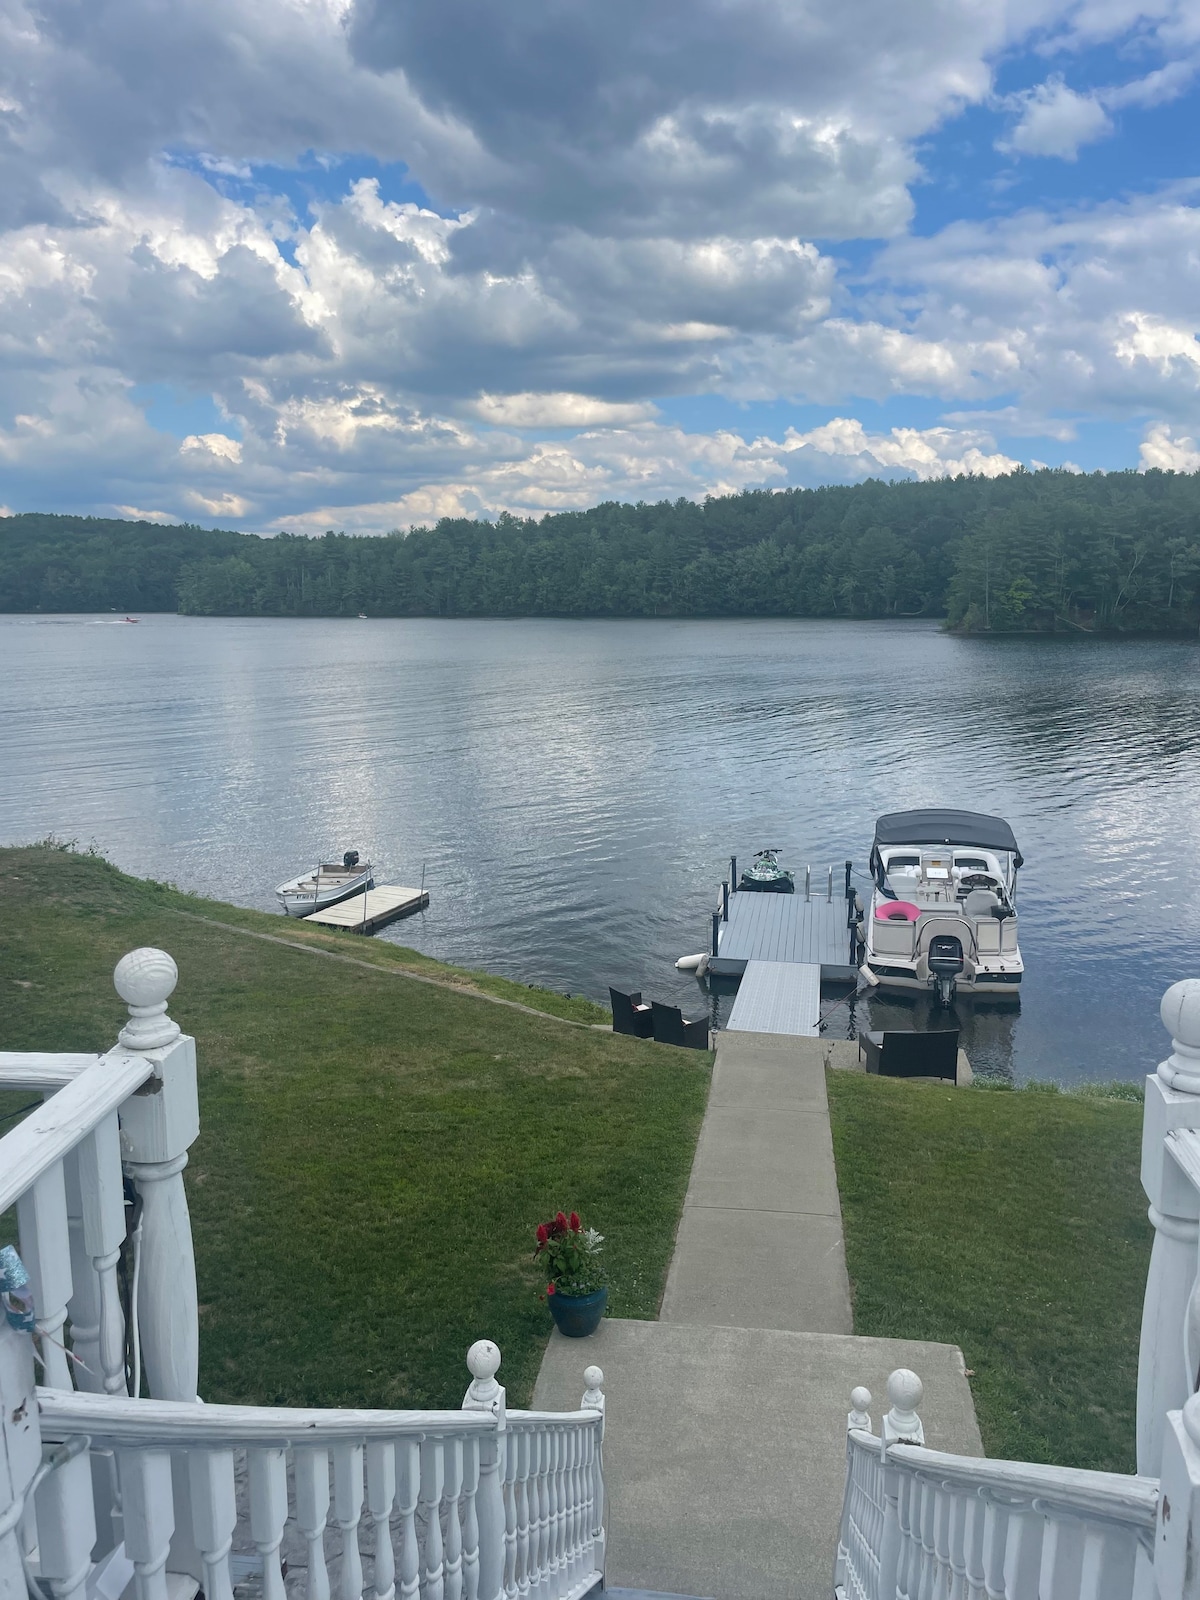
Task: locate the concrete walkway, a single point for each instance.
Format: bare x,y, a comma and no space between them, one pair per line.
760,1240
725,1439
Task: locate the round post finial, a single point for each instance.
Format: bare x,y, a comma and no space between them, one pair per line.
859,1416
145,979
1180,1012
902,1425
593,1394
483,1360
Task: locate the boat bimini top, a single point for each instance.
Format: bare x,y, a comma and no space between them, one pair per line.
936,826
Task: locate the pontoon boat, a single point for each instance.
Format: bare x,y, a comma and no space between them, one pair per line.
943,913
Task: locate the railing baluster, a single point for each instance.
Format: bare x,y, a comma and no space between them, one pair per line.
46,1252
312,1513
66,1528
214,1517
560,1495
268,1515
347,1513
102,1192
149,1518
432,1481
408,1489
381,1496
518,1445
470,1518
452,1457
539,1540
508,1489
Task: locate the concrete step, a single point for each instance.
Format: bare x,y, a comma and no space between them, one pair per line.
725,1448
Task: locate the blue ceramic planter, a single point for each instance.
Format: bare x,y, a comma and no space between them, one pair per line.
577,1315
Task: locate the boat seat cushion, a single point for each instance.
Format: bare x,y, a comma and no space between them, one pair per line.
980,903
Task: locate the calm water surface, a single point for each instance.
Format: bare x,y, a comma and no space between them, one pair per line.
573,790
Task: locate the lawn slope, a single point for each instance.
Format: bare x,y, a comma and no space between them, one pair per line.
1013,1225
374,1152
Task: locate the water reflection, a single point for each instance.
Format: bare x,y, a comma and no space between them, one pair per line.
574,790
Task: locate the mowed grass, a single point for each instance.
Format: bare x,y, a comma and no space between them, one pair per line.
374,1153
1014,1226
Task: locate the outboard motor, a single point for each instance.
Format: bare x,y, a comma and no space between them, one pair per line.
945,963
350,860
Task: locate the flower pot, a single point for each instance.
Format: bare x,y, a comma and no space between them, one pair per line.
577,1315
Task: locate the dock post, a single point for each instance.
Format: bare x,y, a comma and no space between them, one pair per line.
716,931
733,874
831,883
808,882
724,901
849,889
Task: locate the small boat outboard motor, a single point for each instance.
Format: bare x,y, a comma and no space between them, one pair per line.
945,963
350,860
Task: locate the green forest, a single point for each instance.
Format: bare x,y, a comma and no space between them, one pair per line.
1033,551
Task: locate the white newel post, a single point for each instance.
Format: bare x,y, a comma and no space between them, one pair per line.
158,1125
1172,1102
900,1425
485,1394
593,1400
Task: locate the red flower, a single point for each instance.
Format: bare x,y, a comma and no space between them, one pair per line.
543,1233
574,1222
561,1220
550,1288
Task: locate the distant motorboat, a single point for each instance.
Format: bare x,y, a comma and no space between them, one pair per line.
325,885
767,876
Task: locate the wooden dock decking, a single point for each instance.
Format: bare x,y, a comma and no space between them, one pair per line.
778,997
785,928
364,913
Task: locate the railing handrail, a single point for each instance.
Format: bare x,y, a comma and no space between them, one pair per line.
53,1129
1129,1500
544,1419
41,1069
116,1421
113,1421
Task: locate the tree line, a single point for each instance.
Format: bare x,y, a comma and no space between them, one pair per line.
1042,551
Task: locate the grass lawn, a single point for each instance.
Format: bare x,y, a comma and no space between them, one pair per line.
1014,1226
374,1153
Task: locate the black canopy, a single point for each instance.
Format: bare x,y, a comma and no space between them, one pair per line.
946,827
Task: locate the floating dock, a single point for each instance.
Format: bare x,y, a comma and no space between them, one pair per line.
364,913
784,928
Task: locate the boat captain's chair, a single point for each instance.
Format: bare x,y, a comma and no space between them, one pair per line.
980,903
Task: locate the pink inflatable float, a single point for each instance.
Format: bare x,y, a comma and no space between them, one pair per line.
897,911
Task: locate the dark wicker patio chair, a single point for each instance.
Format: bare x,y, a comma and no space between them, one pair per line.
670,1027
631,1014
906,1054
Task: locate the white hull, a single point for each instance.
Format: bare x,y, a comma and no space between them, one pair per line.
322,887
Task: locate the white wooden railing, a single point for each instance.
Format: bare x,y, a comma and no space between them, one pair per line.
99,1488
917,1523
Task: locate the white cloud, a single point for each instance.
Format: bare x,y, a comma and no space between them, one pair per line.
557,411
1055,121
217,445
1171,453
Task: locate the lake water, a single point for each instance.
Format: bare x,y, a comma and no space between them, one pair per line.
573,790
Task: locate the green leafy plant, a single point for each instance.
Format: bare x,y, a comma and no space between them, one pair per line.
571,1255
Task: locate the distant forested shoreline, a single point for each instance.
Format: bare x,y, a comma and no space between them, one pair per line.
1033,551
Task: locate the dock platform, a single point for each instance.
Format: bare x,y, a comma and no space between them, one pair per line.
780,928
778,997
364,913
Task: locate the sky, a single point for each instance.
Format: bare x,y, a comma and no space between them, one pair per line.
358,264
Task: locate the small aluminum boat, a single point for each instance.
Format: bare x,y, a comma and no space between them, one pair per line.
325,885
